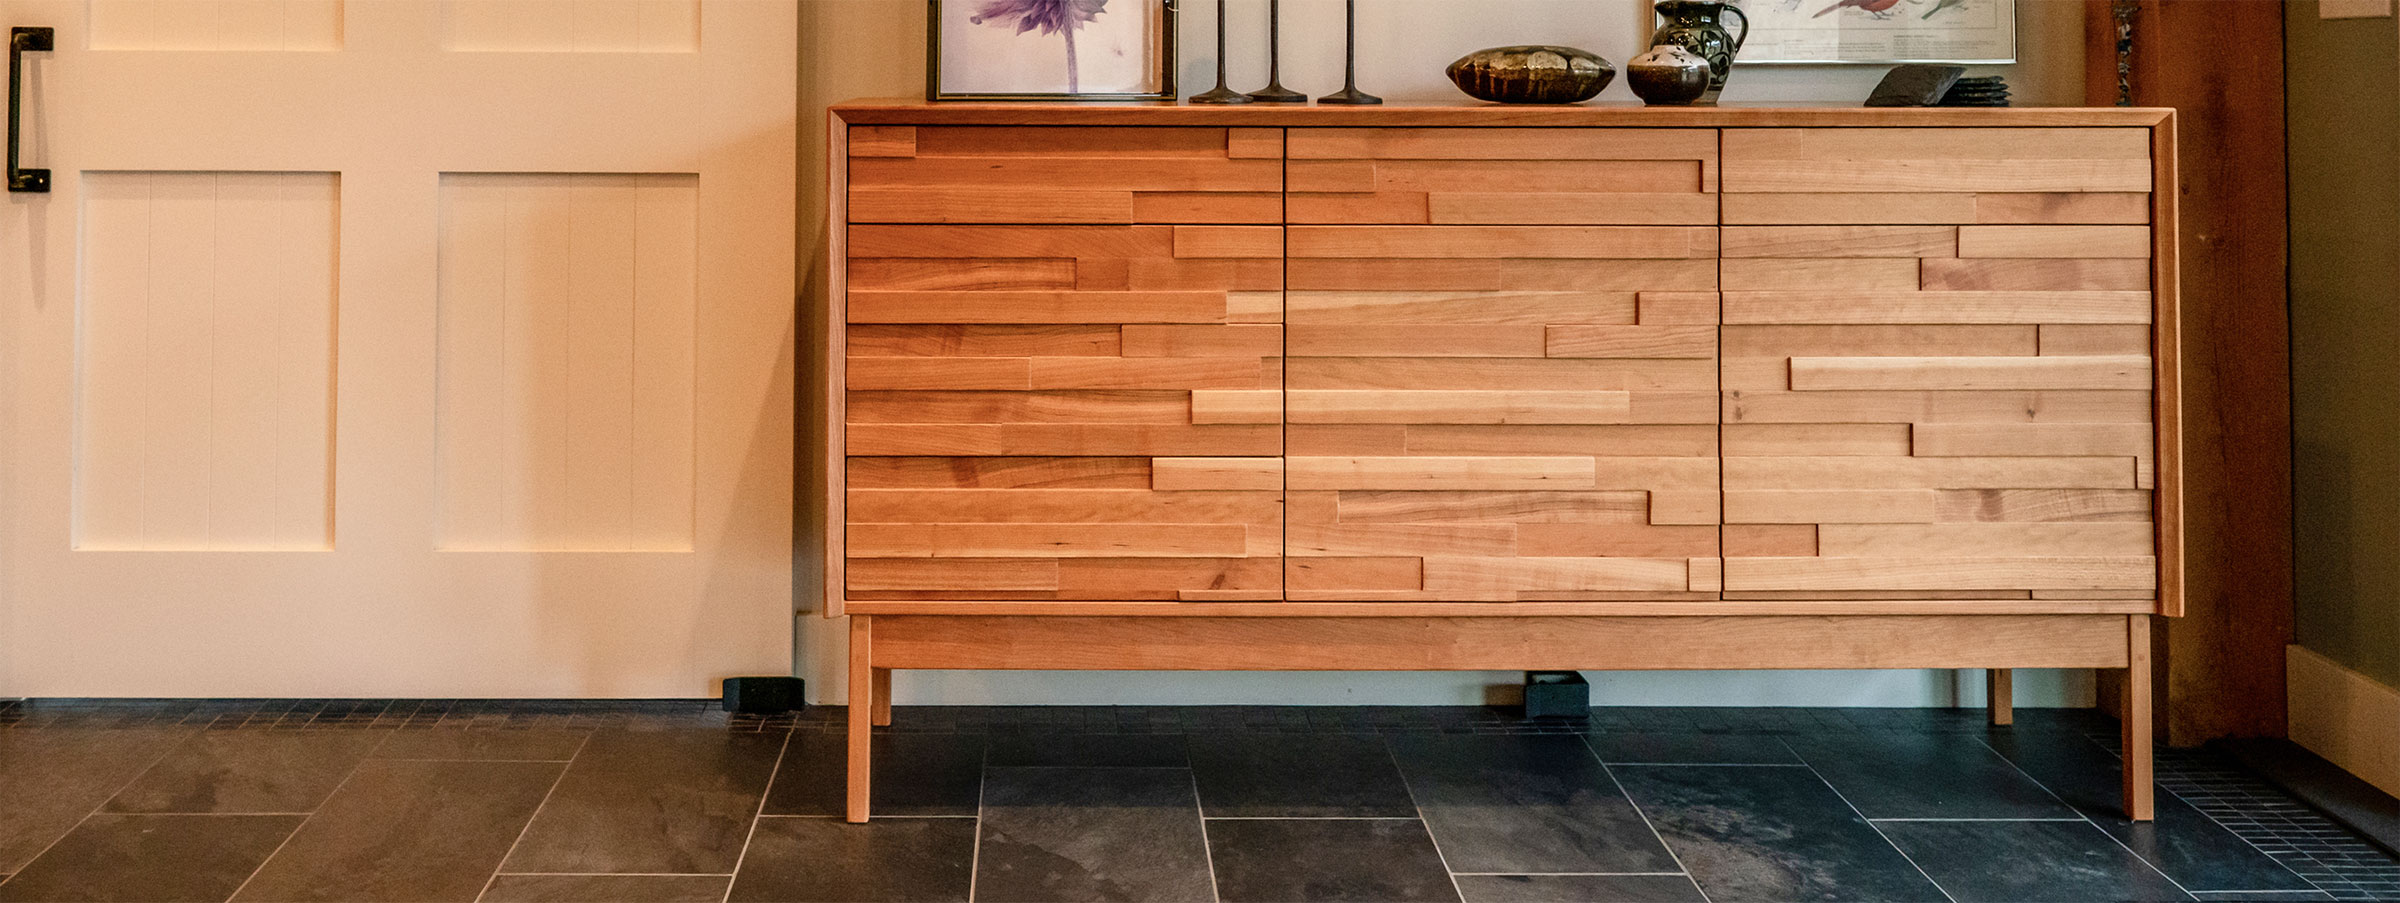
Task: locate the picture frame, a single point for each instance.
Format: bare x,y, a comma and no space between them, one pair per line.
1095,50
1880,32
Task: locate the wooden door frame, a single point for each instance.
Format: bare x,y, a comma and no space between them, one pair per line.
2221,66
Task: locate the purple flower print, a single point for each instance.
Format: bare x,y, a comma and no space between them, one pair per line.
1051,16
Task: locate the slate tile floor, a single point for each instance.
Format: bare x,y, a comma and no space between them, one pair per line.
673,801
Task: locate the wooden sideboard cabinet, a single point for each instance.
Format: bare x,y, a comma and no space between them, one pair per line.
1420,387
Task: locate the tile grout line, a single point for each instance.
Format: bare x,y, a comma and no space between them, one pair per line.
1872,826
1574,874
757,813
983,768
1208,856
304,820
2087,818
1672,856
2036,820
1394,758
2228,829
102,806
618,874
536,816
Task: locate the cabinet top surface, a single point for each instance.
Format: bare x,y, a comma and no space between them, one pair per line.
894,111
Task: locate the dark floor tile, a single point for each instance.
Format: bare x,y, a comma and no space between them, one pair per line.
1066,835
2183,842
914,774
1067,750
407,831
2029,862
1276,860
1905,775
1579,889
1298,775
803,860
607,889
1771,834
248,771
538,744
1691,749
1521,803
2285,896
151,858
52,778
668,801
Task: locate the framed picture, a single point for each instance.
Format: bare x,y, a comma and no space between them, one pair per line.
1880,31
1050,50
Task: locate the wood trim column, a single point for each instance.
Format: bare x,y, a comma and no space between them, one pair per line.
2221,66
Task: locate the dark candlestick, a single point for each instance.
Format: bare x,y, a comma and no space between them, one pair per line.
1220,93
1350,92
1275,92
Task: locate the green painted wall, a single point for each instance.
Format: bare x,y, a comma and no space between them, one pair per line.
2343,108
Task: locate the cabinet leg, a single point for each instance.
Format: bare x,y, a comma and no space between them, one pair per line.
2140,785
1997,684
883,697
862,711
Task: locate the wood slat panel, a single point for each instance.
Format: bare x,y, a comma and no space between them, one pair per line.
931,540
1840,241
1936,307
1492,348
1427,406
1818,506
2054,241
1479,242
1322,308
1968,540
1694,342
1962,373
1438,473
1967,439
1946,572
2042,505
1063,506
1138,459
1217,473
1517,507
1929,473
2034,274
997,473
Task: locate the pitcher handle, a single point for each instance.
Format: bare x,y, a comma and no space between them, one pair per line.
1745,35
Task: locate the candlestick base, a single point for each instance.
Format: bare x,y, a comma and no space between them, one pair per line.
1220,94
1275,92
1350,96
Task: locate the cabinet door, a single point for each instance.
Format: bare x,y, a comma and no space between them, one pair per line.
1501,413
1938,365
1063,411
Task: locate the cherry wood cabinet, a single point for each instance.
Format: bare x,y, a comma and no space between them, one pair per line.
1429,387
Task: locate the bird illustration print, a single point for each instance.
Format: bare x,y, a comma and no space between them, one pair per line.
1880,9
1940,5
1051,16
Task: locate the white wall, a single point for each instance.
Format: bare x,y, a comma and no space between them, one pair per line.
876,48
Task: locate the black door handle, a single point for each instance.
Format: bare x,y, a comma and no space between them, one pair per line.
21,39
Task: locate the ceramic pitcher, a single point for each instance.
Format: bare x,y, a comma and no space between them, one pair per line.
1698,26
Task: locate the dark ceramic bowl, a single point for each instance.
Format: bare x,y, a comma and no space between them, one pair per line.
1532,74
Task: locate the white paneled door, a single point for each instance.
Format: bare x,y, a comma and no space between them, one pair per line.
399,348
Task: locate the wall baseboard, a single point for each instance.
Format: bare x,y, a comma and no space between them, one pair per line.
2347,717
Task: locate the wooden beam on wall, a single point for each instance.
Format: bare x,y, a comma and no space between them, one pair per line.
2221,66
